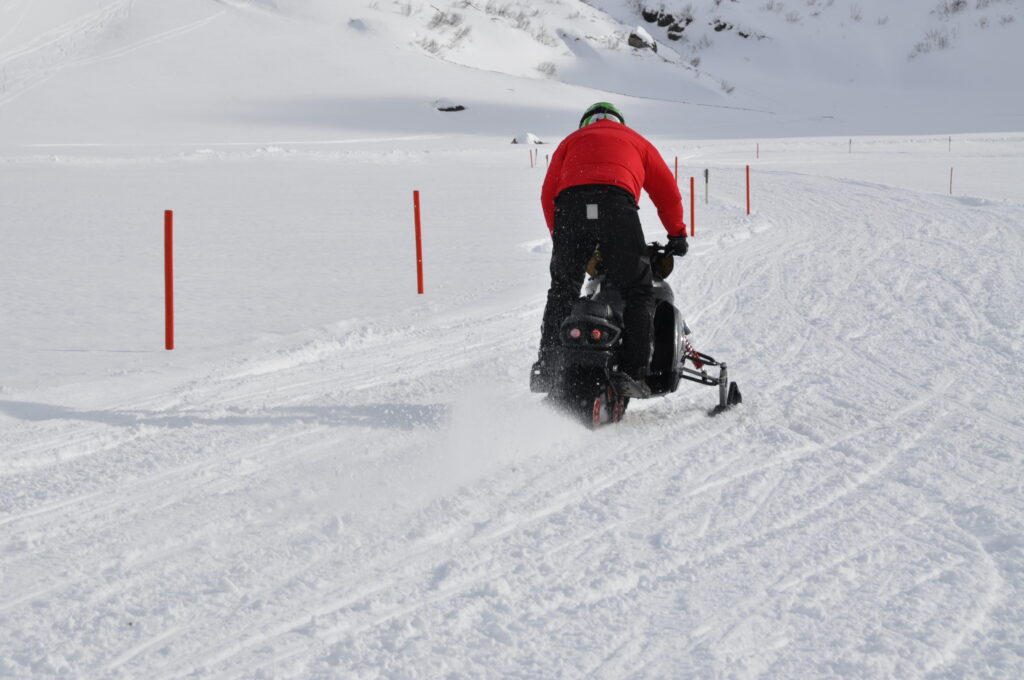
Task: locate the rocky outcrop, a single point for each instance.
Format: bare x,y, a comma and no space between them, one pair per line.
447,105
642,40
675,25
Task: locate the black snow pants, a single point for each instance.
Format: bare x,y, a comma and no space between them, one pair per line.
604,216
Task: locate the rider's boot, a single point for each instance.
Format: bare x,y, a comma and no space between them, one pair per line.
627,385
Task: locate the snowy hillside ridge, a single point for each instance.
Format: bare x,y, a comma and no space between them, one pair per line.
459,30
942,23
864,60
317,70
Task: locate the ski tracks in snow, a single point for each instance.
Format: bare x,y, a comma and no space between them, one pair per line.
389,501
72,44
885,396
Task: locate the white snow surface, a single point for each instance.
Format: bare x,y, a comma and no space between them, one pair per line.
334,477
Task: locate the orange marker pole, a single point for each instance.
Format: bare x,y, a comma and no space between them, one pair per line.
748,189
168,279
693,215
677,170
419,242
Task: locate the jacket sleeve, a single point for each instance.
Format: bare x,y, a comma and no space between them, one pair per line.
660,185
548,191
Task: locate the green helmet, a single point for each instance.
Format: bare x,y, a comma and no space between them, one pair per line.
601,111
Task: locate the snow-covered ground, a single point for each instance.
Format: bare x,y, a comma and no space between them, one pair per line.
332,476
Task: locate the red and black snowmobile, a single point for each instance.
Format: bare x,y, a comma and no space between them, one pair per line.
583,379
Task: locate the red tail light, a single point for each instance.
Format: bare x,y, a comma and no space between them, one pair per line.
595,334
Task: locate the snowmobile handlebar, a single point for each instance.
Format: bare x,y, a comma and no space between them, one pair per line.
662,261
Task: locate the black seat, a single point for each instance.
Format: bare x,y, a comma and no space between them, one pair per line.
599,310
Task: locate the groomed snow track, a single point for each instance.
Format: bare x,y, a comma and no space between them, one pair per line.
384,503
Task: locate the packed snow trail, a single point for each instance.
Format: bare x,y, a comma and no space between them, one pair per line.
389,500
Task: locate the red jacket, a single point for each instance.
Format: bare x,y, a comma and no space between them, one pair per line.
607,152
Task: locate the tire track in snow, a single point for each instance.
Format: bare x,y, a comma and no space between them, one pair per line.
165,483
140,648
190,474
409,355
939,394
553,499
90,524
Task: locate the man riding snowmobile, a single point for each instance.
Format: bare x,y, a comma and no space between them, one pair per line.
590,197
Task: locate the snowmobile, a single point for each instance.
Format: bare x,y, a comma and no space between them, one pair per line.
583,380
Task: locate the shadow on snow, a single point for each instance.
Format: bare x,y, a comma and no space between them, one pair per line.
382,416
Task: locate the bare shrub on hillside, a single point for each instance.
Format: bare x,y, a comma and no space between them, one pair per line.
935,39
522,20
544,37
949,7
793,17
882,21
459,36
547,68
1006,19
856,13
443,19
727,88
511,11
430,45
941,39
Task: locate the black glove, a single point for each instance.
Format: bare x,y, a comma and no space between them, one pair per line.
677,246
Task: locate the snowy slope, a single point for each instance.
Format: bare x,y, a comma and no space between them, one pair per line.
250,71
333,477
